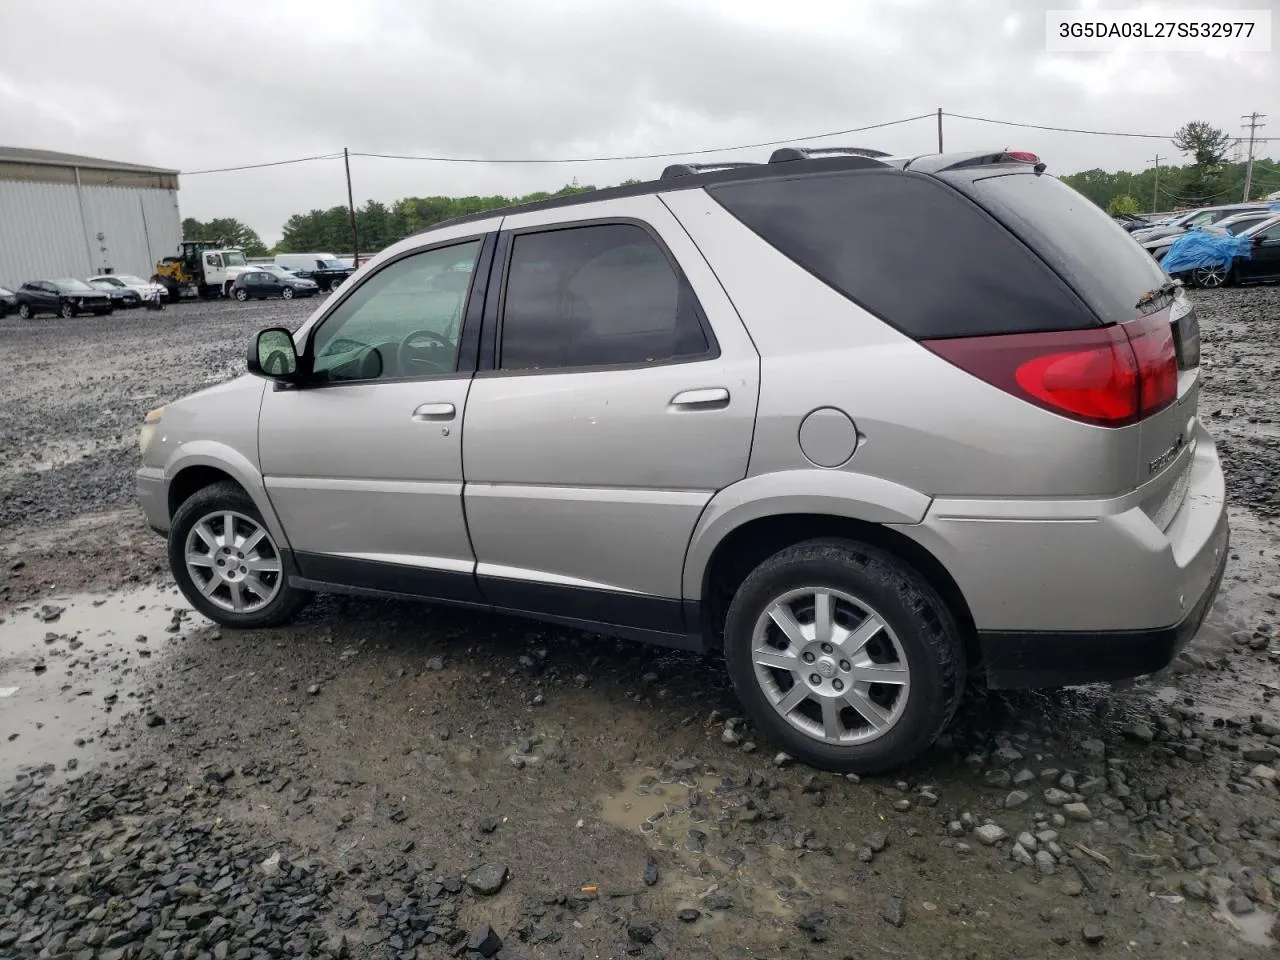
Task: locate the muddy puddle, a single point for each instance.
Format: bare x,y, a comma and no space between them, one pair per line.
704,829
72,665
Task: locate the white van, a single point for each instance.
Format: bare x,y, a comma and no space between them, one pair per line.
324,268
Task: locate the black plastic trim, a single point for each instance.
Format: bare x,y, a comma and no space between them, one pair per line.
646,619
401,579
641,611
494,338
1021,660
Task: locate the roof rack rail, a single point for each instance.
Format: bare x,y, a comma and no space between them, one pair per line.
689,169
784,154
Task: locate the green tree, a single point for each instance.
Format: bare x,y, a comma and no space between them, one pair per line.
227,231
1206,144
1122,203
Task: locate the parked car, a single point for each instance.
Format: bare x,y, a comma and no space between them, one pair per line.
127,281
716,411
325,269
65,298
8,302
122,298
1233,225
1201,217
1262,265
1130,222
259,284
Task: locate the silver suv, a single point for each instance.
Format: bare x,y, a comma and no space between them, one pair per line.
872,426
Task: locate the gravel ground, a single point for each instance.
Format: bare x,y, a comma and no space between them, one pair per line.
397,780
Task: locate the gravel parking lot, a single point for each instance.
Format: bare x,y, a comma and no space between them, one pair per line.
390,779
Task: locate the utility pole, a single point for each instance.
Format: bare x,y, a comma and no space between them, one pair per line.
1155,189
1253,119
351,205
939,129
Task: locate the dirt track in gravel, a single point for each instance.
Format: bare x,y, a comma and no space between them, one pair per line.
438,741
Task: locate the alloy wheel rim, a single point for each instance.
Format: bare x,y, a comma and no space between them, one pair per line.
233,562
830,666
1211,276
287,294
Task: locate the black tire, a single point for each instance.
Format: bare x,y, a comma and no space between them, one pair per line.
925,629
287,293
242,295
213,499
24,311
67,311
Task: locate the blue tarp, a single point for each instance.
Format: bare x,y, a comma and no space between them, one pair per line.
1200,248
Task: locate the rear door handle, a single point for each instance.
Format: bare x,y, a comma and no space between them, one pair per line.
434,412
706,398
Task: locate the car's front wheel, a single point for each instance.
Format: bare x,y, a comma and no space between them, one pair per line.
67,311
287,293
844,655
1211,277
227,563
24,311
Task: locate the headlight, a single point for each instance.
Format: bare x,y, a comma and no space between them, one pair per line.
148,431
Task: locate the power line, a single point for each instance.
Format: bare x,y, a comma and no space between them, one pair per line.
646,156
1096,133
256,166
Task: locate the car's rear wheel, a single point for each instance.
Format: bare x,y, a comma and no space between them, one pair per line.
227,563
67,311
287,293
844,655
24,311
1210,277
242,295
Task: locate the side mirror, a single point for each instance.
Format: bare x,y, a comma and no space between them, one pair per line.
1258,241
273,355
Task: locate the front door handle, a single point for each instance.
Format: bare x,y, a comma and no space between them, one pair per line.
433,412
707,398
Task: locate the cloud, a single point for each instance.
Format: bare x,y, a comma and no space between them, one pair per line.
234,84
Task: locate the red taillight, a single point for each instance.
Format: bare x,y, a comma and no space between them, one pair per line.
1109,376
1022,155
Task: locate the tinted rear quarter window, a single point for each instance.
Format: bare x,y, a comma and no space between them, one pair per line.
1075,237
911,250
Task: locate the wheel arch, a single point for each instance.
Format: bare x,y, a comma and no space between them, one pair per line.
737,534
196,469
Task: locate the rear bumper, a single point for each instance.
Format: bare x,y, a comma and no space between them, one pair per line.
1066,592
1014,659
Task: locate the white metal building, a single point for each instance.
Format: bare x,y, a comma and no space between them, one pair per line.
67,216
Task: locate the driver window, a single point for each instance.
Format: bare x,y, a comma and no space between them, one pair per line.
404,321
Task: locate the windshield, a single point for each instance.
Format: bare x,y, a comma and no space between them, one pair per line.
130,280
233,258
69,285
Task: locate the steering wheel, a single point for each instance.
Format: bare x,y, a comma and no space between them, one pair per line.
404,353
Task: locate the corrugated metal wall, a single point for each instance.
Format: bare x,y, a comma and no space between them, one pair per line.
42,234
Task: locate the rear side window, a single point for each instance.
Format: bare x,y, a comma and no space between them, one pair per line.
597,295
910,250
1074,236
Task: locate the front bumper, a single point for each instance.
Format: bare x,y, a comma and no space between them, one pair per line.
153,496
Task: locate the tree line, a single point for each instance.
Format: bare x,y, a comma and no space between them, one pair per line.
1205,178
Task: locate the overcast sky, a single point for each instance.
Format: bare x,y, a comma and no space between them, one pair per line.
211,85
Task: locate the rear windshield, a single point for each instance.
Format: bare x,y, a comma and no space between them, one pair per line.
910,250
1074,236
